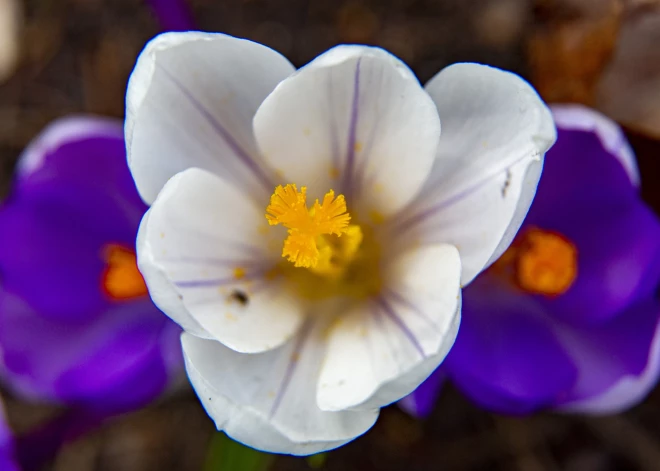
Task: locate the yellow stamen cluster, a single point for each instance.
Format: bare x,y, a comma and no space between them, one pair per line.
288,207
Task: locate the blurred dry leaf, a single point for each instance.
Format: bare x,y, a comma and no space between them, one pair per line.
105,73
603,53
570,48
629,90
10,28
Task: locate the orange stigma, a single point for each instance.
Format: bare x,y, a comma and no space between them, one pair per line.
121,279
545,262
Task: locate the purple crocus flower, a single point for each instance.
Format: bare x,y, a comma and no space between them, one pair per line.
76,323
568,318
7,450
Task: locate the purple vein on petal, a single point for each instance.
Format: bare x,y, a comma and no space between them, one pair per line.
385,331
405,224
294,358
242,155
334,141
389,312
363,179
216,262
413,307
375,318
215,282
352,131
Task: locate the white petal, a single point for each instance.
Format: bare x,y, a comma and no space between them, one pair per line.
209,242
581,118
162,291
382,352
190,103
355,120
496,131
267,400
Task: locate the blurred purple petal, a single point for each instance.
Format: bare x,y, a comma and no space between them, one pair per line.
108,354
573,117
173,15
588,193
64,337
420,402
73,194
41,253
506,354
7,445
618,361
575,174
618,260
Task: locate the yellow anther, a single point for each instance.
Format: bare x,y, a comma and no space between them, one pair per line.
288,207
331,216
301,249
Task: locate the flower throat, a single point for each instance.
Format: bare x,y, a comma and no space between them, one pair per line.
322,240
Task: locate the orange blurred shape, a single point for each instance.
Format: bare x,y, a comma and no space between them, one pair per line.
570,47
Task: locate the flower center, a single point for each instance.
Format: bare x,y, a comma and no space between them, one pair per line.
121,279
321,239
543,262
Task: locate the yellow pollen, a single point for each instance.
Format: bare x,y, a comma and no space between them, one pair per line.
545,263
288,207
239,273
336,253
376,217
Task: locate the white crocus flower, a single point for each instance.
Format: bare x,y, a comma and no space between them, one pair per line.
238,155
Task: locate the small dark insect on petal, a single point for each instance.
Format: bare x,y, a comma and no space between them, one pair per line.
507,183
239,297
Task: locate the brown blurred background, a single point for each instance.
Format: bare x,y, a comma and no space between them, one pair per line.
76,55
